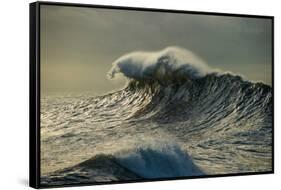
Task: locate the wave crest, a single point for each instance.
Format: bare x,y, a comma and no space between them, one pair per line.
168,65
163,160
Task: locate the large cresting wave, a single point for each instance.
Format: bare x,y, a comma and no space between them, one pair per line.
204,122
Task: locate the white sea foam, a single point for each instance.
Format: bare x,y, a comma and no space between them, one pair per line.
158,161
168,64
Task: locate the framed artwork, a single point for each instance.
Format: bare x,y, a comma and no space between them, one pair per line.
120,94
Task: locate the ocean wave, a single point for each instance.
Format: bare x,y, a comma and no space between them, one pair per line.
217,123
152,161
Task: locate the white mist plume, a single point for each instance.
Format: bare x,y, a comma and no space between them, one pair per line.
169,63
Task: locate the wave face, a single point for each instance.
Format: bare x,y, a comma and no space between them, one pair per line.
172,119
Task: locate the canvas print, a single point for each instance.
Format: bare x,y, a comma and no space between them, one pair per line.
135,95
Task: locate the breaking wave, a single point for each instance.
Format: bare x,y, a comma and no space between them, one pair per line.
144,162
219,123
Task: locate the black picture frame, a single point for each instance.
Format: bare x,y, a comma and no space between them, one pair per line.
34,89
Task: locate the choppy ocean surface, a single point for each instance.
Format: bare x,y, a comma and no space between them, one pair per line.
162,124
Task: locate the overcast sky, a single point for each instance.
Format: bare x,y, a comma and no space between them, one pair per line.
79,44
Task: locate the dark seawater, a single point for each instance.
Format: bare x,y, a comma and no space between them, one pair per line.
216,124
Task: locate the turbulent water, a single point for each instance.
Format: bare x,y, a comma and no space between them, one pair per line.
172,119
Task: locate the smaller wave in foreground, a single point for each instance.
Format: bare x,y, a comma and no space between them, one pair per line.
148,162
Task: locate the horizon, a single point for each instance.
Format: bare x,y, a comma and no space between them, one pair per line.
79,45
